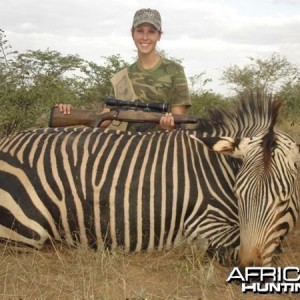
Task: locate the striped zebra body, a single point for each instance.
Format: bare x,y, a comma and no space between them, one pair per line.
151,191
141,192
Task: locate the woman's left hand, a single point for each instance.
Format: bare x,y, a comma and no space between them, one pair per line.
167,122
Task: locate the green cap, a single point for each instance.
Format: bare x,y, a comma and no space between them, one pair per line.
147,15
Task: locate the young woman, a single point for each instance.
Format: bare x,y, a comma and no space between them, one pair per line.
152,77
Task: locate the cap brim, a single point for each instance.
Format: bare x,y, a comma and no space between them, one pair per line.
147,22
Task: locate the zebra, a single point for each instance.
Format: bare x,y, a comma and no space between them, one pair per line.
231,182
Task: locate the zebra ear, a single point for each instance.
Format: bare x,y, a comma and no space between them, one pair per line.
225,145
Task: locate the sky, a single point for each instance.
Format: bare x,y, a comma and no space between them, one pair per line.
207,35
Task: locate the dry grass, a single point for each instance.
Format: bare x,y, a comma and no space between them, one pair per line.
59,272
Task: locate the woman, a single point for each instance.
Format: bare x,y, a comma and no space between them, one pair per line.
154,78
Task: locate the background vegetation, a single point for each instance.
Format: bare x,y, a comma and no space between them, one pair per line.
32,82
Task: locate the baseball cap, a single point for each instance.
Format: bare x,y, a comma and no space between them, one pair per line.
147,15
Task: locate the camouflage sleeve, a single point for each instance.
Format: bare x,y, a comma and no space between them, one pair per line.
180,92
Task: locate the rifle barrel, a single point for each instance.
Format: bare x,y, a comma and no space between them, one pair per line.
140,117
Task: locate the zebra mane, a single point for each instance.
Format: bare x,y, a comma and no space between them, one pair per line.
254,115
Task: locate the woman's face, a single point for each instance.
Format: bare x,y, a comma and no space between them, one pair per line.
145,37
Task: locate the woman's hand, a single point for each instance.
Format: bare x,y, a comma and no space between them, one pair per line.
167,122
64,108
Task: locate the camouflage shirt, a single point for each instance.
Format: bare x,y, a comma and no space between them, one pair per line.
165,82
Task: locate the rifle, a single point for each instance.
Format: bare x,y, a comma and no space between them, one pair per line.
128,111
91,119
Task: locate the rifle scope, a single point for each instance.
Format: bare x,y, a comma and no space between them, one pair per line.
137,104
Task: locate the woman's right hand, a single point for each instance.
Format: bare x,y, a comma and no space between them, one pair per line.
64,108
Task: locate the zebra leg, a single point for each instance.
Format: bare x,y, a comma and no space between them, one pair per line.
201,247
197,246
226,256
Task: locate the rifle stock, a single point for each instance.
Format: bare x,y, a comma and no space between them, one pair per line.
89,118
76,117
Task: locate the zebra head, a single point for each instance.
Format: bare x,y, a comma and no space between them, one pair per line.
266,183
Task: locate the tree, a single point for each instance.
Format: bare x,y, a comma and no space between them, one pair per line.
36,81
267,75
6,58
96,80
290,94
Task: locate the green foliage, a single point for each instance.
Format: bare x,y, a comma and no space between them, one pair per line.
202,97
268,75
34,82
96,83
201,103
274,76
290,94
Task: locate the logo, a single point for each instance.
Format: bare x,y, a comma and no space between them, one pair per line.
267,280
